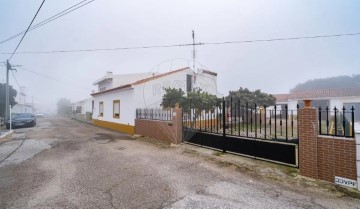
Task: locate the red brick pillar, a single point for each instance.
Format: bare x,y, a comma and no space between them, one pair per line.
308,132
177,124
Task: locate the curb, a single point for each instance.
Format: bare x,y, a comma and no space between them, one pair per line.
6,136
273,172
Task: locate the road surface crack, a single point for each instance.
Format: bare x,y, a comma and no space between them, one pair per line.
9,155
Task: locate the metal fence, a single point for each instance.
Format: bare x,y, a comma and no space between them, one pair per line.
243,120
337,122
260,132
154,114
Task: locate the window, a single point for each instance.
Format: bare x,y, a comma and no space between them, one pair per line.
101,109
116,108
78,109
188,83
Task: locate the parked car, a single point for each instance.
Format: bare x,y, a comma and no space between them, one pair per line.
39,115
21,120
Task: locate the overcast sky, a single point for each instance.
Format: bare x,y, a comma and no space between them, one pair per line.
273,67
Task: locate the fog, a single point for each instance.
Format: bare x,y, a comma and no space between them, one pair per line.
273,67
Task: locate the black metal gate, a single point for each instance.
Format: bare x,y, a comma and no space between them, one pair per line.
259,132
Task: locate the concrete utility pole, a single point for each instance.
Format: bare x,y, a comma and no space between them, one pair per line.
7,99
7,94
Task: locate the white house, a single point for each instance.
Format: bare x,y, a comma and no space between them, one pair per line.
83,109
337,97
22,106
118,96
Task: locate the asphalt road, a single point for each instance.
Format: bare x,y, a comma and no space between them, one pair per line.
63,163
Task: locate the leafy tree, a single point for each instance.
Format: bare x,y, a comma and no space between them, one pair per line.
194,99
251,97
201,100
173,96
64,107
12,95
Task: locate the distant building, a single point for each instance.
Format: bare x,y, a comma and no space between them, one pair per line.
337,97
22,106
118,96
82,110
83,106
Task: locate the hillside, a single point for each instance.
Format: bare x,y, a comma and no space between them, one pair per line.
332,82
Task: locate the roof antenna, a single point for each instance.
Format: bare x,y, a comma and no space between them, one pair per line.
194,51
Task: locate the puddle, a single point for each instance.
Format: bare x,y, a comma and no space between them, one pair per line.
103,138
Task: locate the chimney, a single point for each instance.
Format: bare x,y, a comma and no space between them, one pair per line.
109,73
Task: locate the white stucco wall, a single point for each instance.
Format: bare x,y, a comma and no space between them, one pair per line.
86,105
127,106
105,84
292,105
150,94
120,80
339,102
18,108
357,140
207,83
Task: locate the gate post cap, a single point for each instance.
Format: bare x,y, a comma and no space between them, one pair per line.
307,103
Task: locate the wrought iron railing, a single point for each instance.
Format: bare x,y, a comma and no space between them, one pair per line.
243,120
154,114
336,122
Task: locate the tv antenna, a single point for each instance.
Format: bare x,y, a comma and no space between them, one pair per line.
193,51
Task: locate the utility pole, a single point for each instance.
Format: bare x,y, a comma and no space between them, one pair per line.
7,102
7,94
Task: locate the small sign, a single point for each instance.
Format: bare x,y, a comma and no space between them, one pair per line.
174,114
345,182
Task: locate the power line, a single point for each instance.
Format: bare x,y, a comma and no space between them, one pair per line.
50,19
27,30
15,79
281,39
52,78
101,49
186,44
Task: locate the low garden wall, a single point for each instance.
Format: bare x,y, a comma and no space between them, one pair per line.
169,131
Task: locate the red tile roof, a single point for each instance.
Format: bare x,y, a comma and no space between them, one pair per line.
325,93
319,93
281,97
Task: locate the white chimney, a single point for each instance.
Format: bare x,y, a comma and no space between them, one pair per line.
109,73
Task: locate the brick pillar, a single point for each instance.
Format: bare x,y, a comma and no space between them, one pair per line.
177,124
308,132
